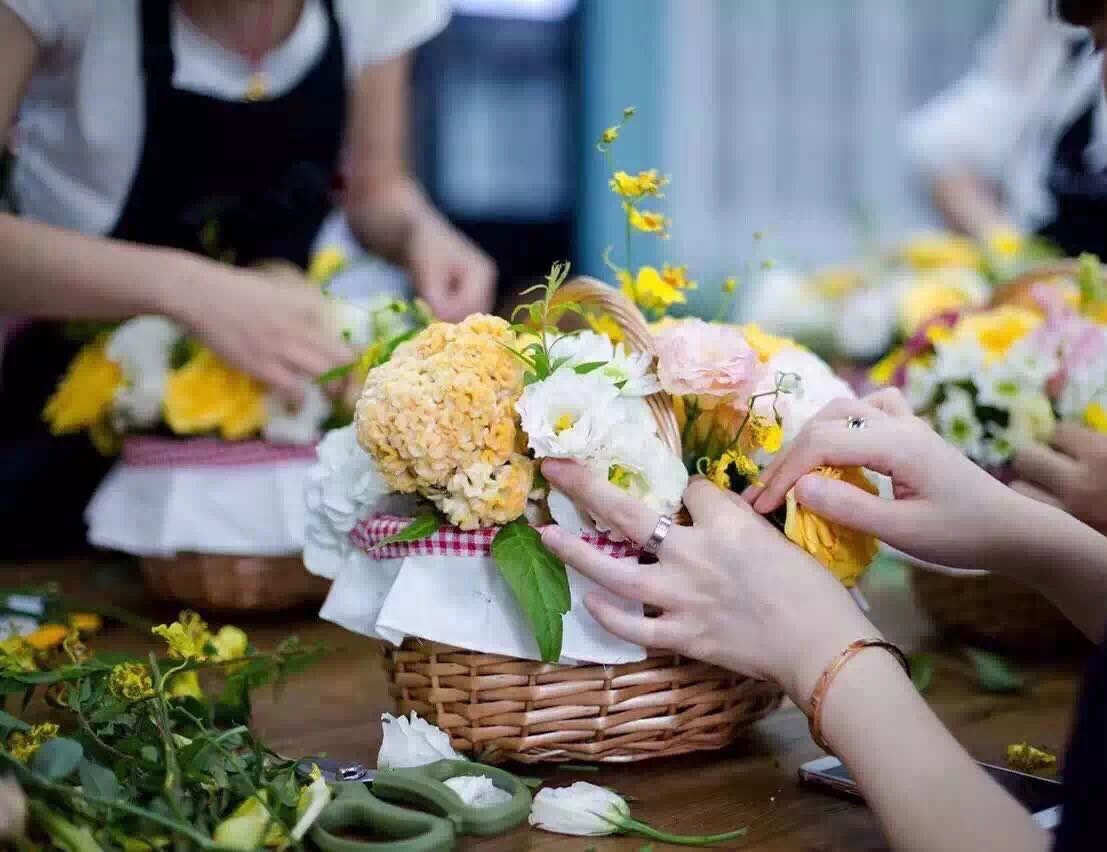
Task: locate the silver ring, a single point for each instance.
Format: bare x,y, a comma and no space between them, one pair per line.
653,544
855,423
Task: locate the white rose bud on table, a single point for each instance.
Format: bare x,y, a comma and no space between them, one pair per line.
413,742
587,810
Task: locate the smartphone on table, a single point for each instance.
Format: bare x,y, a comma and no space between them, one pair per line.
1041,796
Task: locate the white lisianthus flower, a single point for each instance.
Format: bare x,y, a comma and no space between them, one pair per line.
957,421
344,487
867,323
142,347
629,371
921,386
581,809
801,399
285,424
477,790
413,741
569,415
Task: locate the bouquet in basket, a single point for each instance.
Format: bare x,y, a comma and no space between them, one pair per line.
426,510
995,380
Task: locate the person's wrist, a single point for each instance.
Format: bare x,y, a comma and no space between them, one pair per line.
816,648
177,281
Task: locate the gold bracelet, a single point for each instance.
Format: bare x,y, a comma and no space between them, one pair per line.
814,714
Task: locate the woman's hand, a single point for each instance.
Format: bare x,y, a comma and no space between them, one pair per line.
946,509
449,271
732,590
1073,476
275,332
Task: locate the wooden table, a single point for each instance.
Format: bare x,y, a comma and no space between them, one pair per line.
335,708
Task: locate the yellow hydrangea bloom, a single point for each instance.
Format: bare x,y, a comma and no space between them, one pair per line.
131,682
206,395
23,744
1095,417
941,251
844,552
84,396
439,418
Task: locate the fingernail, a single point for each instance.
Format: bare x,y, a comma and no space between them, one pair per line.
552,534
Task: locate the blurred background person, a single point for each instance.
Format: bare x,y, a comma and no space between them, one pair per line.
1021,140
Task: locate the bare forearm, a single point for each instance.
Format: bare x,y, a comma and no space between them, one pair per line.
968,204
923,786
52,273
383,216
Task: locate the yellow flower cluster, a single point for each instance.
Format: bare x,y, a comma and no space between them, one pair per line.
645,183
996,330
131,682
23,744
648,222
656,291
846,553
439,419
16,655
84,395
206,395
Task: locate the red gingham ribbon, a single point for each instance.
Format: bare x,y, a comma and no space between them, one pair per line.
450,541
208,452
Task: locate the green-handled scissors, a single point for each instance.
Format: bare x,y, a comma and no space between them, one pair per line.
434,826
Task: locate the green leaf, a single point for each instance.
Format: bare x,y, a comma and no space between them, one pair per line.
589,367
993,672
538,580
57,758
8,722
422,527
98,781
922,671
335,373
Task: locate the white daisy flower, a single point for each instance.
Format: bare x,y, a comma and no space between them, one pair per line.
921,386
957,421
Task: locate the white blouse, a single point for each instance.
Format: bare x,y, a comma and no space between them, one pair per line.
1003,120
79,133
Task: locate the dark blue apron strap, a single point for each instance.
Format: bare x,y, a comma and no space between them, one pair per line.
158,63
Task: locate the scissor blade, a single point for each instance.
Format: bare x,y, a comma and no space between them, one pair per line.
336,771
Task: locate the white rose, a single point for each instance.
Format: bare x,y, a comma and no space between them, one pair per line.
413,742
581,809
285,424
477,790
142,347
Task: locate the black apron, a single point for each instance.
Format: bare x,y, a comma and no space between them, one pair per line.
242,181
1080,195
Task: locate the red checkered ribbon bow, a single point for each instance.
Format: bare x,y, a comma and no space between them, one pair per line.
146,451
450,541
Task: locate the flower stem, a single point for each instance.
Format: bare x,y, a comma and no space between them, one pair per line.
633,826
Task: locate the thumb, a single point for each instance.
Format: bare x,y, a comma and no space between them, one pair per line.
851,507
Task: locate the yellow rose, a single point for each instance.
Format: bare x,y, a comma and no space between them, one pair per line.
940,251
205,395
844,552
84,396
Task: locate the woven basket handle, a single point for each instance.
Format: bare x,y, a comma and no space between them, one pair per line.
1017,290
588,292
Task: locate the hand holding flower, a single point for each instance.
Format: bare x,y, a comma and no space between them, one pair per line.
1071,474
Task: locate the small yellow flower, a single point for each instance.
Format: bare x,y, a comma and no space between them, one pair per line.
1026,758
719,471
187,637
609,135
999,329
206,395
649,182
326,264
649,290
131,682
730,285
1004,242
84,396
23,745
767,434
844,552
605,324
86,623
47,637
646,221
16,655
764,344
1095,417
836,282
185,685
677,276
230,643
941,251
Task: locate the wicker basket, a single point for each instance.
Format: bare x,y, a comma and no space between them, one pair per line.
995,612
504,708
217,583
